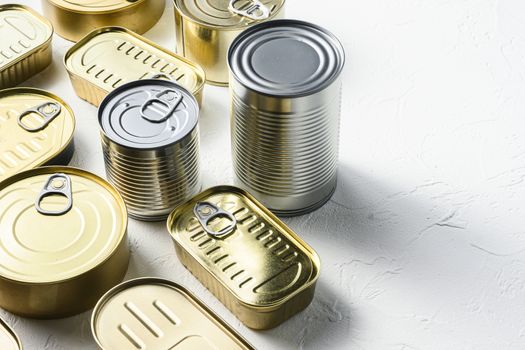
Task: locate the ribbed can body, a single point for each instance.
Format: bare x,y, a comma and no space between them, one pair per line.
285,150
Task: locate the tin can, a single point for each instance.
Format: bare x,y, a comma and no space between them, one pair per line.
248,258
153,313
8,338
37,129
26,44
150,140
285,116
63,234
109,57
205,29
73,19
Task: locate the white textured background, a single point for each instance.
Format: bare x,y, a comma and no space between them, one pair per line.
423,244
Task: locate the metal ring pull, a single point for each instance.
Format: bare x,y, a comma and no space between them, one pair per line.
153,75
206,212
253,9
47,110
163,105
57,184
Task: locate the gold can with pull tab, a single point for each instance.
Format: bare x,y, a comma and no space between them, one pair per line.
36,128
206,28
63,235
248,258
109,57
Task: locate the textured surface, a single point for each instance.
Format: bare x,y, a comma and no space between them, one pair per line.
423,244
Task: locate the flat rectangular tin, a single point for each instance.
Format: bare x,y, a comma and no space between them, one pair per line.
25,48
111,56
153,313
261,270
8,338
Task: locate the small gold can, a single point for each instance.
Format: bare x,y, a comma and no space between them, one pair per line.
205,30
8,338
75,18
248,258
26,44
37,129
153,313
108,57
63,234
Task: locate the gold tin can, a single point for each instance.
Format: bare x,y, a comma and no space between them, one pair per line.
75,18
153,313
109,57
26,44
248,258
206,28
37,128
63,241
8,338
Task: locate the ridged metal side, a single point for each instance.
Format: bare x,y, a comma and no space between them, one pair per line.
87,91
26,68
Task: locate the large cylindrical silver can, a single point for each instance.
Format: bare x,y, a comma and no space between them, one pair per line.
150,141
285,88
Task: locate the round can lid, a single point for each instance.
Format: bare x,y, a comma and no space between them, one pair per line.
228,13
286,58
90,6
148,114
57,223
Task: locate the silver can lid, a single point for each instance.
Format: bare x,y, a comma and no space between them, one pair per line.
148,114
287,58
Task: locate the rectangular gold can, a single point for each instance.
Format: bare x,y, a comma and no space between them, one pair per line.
25,48
111,56
8,338
248,258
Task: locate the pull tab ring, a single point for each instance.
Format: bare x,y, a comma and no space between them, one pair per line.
153,75
41,111
165,105
253,9
57,184
206,212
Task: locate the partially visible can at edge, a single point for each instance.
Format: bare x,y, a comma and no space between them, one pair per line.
37,129
63,234
111,56
73,19
153,313
205,29
150,140
26,44
286,97
8,338
248,258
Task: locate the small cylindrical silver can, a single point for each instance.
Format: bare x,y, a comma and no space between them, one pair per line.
285,88
150,141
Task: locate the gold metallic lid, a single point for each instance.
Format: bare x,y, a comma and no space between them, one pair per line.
8,338
152,313
36,126
95,6
57,223
228,13
23,31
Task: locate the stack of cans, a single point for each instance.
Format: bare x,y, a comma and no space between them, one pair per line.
150,140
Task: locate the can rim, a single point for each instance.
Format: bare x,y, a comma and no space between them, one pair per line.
78,8
87,174
12,332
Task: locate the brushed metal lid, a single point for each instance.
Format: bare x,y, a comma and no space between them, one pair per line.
95,6
57,223
148,114
286,58
228,13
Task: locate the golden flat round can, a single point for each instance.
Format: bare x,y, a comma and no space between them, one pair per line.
36,128
62,241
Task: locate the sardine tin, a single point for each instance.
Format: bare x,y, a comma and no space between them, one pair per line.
248,258
109,57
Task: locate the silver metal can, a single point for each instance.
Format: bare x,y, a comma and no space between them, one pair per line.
285,87
150,141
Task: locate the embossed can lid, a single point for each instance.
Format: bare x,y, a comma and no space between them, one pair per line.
57,223
95,6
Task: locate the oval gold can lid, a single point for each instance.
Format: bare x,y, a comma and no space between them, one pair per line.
95,6
8,338
36,127
57,223
152,313
228,13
